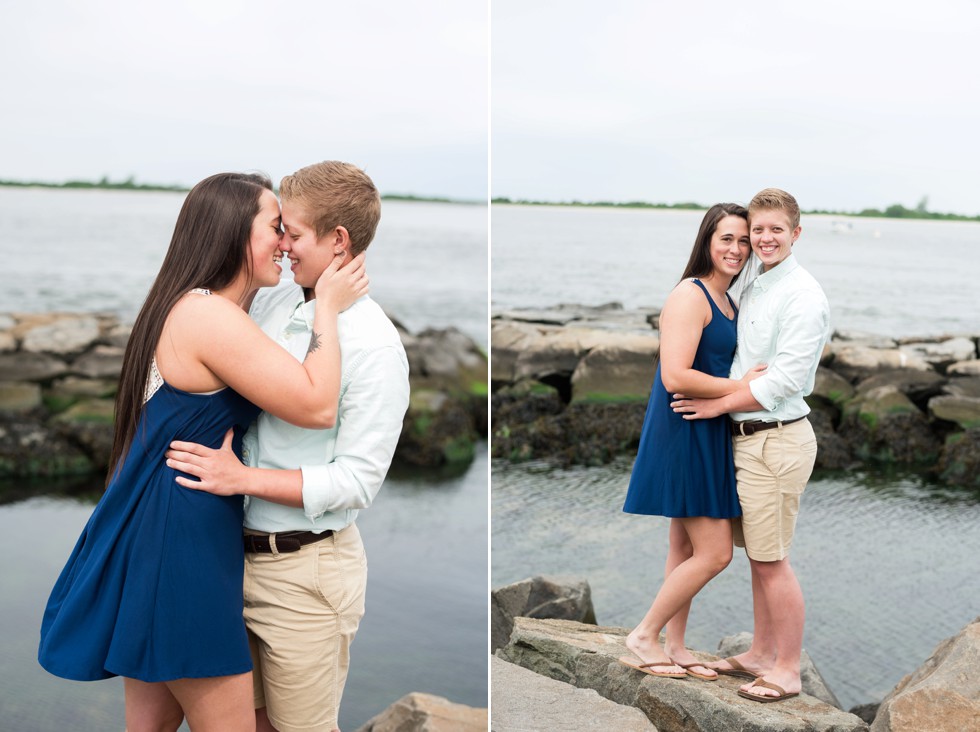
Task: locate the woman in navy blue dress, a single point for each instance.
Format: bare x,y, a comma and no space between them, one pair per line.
153,589
684,468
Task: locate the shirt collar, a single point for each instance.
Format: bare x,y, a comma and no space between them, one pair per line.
303,313
765,280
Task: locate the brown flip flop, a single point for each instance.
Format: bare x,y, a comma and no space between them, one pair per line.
646,668
736,669
688,666
766,699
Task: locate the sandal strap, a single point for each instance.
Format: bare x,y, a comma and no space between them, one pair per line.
769,685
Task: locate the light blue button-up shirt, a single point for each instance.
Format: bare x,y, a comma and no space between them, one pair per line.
343,467
783,321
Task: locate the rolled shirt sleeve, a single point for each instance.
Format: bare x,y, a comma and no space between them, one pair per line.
804,322
375,402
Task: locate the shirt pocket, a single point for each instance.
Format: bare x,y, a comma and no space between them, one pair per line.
759,338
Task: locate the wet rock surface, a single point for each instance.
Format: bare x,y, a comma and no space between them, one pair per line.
59,374
570,385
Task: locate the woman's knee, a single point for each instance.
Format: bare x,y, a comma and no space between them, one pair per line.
717,558
161,721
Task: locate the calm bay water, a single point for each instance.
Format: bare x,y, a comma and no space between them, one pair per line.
874,554
90,251
887,561
426,622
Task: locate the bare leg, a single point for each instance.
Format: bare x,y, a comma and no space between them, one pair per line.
712,551
786,613
151,707
216,704
681,549
761,655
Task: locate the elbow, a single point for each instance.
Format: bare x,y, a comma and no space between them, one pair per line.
671,383
324,419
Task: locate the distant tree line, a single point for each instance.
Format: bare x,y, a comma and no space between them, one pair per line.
130,184
895,211
602,204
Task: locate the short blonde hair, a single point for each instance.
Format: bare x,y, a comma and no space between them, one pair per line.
336,194
776,199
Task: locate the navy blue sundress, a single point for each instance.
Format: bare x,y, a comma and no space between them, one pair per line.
153,587
685,468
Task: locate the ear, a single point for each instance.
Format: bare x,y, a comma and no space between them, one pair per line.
796,234
339,240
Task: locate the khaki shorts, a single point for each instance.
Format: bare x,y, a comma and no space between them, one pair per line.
302,610
771,468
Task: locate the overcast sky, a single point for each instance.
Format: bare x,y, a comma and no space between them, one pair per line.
846,104
171,92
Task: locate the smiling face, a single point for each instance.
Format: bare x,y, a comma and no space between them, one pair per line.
729,246
772,236
308,255
263,244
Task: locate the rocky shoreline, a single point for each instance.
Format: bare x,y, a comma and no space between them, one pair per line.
59,373
548,644
569,384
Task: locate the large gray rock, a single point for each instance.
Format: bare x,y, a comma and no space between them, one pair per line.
833,453
32,450
883,425
831,387
968,386
19,396
507,341
102,362
943,353
566,598
622,370
427,713
116,334
445,359
66,334
959,461
586,656
558,352
21,366
8,342
860,338
813,683
89,424
916,385
963,410
523,701
964,368
855,360
437,429
610,316
942,695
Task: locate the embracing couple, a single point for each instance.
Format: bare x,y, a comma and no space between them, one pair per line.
310,391
726,449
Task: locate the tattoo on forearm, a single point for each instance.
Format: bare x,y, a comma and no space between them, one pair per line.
314,343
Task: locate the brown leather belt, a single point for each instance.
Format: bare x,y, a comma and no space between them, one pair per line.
744,429
282,543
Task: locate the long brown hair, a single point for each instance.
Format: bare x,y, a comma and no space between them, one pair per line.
208,249
699,265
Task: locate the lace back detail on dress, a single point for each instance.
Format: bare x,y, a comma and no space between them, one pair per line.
154,380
